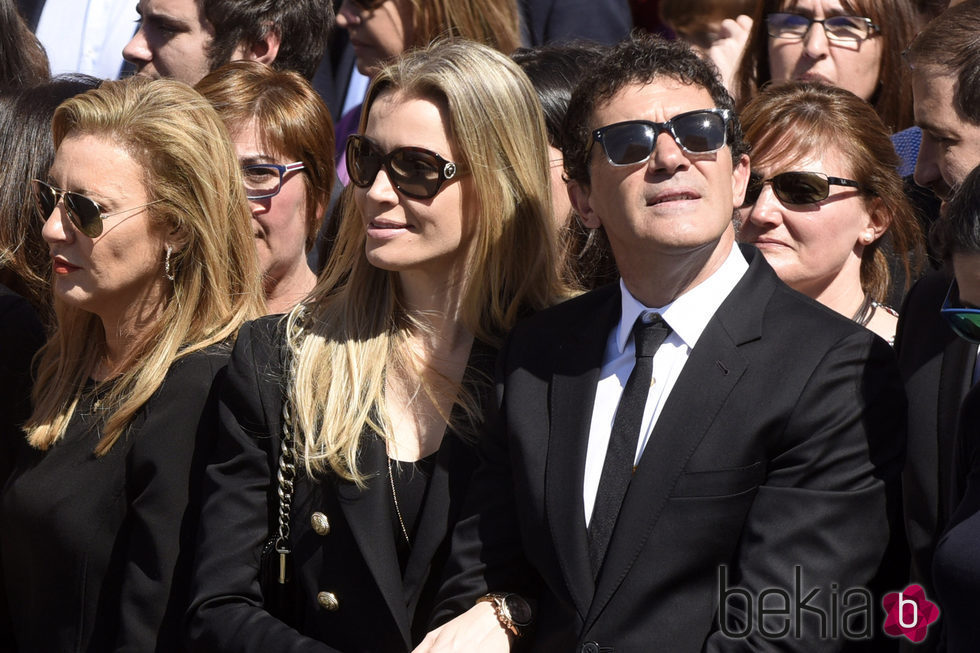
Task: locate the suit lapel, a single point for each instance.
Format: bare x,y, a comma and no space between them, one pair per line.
368,513
572,396
955,380
712,371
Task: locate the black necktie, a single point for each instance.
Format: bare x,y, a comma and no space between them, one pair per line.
617,469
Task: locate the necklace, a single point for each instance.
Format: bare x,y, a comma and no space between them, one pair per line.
398,512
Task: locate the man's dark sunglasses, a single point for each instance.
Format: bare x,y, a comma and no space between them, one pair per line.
696,132
414,171
795,187
86,214
965,322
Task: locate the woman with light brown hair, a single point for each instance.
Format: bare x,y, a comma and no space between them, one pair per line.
283,136
825,204
368,398
153,270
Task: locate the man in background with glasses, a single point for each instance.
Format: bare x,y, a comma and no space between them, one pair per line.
676,451
938,368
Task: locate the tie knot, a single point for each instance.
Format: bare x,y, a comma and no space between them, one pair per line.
649,332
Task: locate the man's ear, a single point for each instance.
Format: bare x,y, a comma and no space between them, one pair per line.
740,179
580,196
265,50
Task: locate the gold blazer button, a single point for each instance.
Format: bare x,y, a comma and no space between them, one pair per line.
321,525
328,601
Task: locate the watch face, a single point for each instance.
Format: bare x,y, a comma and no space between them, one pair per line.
518,609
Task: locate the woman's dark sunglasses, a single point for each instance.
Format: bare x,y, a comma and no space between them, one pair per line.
414,171
696,132
795,187
86,214
965,322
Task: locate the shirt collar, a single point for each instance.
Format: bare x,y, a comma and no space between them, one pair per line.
689,314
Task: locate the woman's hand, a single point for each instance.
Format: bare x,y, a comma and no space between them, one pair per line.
477,629
726,51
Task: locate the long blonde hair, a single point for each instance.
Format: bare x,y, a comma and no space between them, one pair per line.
353,328
192,172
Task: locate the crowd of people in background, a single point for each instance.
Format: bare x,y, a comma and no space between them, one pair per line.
489,325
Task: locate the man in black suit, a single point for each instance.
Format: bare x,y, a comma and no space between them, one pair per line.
937,367
766,437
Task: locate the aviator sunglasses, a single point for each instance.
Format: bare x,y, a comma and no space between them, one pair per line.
965,322
795,187
414,171
696,132
86,214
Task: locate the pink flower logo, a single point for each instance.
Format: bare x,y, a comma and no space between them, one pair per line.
909,613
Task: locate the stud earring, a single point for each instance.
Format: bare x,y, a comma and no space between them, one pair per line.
166,264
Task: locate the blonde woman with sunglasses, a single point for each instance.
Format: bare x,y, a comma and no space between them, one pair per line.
825,204
153,269
445,241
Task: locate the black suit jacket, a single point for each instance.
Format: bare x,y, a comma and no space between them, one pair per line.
772,453
379,610
96,551
937,368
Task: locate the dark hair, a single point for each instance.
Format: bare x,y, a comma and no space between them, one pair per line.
789,122
554,71
952,42
895,18
27,151
639,59
292,120
958,230
302,25
22,58
586,259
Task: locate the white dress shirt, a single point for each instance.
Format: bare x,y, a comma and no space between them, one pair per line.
87,36
687,317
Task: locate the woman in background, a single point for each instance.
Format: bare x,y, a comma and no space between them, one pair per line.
283,136
855,45
823,195
386,368
153,270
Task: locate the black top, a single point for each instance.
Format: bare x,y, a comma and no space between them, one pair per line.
95,550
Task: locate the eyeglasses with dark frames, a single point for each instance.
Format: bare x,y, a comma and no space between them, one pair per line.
264,180
843,29
795,187
414,171
630,142
85,213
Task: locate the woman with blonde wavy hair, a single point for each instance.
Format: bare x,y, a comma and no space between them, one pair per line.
445,241
153,270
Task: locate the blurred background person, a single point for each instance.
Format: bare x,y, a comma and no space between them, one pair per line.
938,368
717,29
956,563
857,47
585,260
153,269
187,39
447,240
283,135
380,30
823,194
